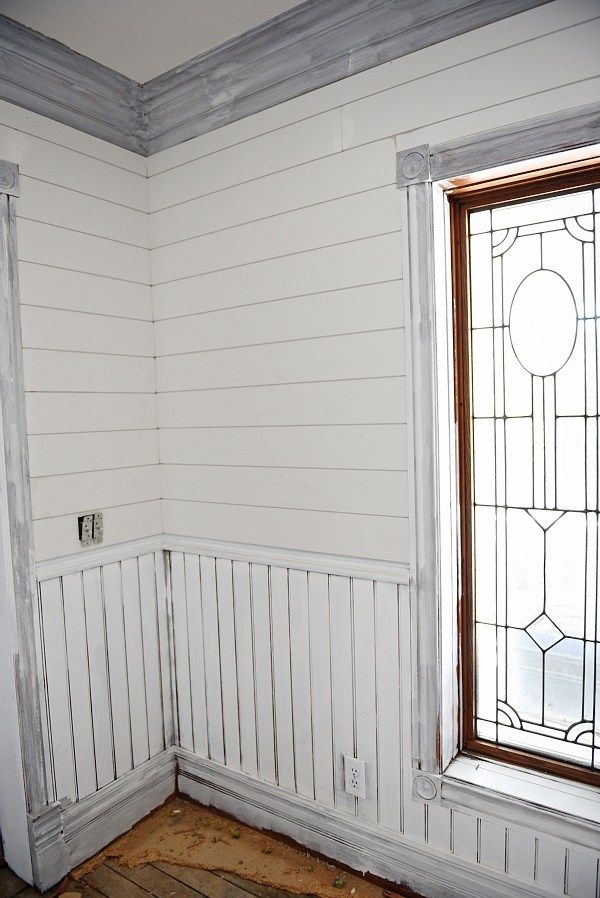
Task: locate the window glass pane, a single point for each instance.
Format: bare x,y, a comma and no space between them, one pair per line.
535,437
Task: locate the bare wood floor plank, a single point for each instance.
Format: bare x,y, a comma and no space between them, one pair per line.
255,888
153,880
204,882
112,884
10,884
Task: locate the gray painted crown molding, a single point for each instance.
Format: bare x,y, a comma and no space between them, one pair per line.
314,44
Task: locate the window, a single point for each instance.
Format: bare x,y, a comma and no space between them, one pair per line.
526,284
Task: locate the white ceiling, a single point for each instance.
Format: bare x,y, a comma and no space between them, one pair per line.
143,38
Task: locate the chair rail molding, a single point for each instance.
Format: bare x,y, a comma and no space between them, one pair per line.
308,47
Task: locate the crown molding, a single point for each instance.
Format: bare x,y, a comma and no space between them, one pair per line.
47,77
312,45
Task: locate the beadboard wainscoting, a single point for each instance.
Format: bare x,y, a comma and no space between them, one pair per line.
103,650
281,670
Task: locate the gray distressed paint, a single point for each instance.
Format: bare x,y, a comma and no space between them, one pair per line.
314,44
20,592
49,78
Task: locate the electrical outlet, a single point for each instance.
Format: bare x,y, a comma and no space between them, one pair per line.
355,776
85,524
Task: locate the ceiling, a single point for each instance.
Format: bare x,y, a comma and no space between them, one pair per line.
143,38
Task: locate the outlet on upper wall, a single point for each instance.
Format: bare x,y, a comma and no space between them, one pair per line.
355,777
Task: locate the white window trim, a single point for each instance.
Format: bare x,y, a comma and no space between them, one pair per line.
563,809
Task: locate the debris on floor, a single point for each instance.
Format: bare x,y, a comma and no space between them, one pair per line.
182,832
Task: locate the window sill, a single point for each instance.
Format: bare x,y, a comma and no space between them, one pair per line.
550,805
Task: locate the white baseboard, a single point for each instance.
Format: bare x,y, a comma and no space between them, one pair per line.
92,823
62,838
360,846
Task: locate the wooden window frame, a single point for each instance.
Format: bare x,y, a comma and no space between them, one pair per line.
462,201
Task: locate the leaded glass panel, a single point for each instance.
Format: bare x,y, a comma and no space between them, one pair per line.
534,343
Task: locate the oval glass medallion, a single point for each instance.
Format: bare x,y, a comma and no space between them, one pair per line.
543,323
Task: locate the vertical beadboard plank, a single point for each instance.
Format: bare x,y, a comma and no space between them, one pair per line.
492,845
195,642
227,640
582,874
149,613
465,830
58,689
135,660
282,681
245,666
261,619
550,866
438,827
521,854
40,653
214,711
164,629
340,629
320,663
363,605
182,654
79,679
97,654
413,812
117,667
387,657
300,653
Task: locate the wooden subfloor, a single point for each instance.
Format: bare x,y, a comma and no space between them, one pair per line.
158,880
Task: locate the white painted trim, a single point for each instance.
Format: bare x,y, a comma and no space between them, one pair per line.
363,568
83,561
525,798
49,856
360,845
89,825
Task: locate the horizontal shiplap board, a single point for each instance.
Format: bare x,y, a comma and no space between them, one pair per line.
54,537
293,145
377,401
39,126
318,181
570,96
80,412
61,248
48,203
44,328
48,370
59,165
59,288
71,453
368,261
352,356
438,57
375,447
529,68
338,221
352,492
354,535
371,307
69,493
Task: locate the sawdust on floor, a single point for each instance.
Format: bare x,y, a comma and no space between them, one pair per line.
181,832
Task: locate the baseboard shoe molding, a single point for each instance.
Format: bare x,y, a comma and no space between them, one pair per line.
357,844
90,558
343,566
92,823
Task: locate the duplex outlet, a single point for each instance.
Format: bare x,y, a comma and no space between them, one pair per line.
355,777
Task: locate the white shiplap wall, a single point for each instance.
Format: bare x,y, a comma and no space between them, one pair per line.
277,284
87,331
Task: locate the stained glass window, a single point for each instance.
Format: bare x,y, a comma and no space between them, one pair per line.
532,326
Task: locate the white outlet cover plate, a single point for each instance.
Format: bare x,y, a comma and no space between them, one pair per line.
355,777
